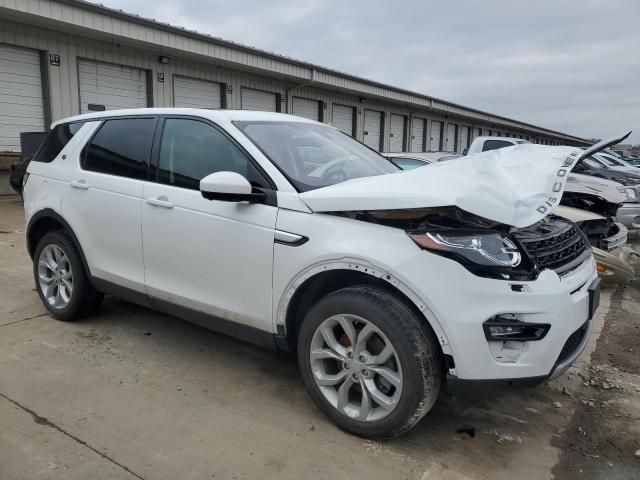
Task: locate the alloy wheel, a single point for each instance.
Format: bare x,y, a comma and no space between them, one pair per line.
55,276
356,367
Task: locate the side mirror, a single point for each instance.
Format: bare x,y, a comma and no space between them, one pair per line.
229,187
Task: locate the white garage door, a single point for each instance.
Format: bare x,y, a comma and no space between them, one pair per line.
486,132
396,133
373,129
194,93
417,134
342,119
104,86
21,104
436,136
476,133
463,139
258,100
450,140
303,107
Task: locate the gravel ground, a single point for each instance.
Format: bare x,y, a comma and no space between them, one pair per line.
131,393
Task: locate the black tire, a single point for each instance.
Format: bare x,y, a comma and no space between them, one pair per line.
84,299
415,345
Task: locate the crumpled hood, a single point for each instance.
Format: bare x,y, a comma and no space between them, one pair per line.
601,187
512,185
515,186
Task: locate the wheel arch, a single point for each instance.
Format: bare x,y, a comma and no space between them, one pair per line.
48,220
322,279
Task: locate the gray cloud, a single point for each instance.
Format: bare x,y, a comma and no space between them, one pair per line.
571,66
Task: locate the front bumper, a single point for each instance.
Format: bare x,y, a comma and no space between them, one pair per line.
461,302
629,215
613,266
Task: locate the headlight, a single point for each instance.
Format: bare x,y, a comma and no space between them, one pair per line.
632,194
486,249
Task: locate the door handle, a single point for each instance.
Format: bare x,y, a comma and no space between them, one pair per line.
80,185
161,201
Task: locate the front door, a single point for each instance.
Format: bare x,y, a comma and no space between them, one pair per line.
210,256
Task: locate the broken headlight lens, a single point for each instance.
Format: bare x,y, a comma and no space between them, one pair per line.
490,249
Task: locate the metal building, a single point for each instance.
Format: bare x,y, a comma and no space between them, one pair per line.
63,57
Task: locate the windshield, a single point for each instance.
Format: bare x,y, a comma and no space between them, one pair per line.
593,163
607,161
313,156
406,163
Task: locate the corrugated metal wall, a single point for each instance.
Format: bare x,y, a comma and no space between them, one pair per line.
63,79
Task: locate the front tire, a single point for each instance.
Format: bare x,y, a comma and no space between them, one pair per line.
61,280
369,363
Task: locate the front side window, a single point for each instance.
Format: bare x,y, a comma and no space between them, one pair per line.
56,140
495,145
313,156
121,147
190,150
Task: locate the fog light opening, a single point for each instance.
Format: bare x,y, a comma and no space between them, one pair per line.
507,327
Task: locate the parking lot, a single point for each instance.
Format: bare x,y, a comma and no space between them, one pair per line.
131,393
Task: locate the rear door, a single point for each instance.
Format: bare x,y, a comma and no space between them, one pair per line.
103,199
210,256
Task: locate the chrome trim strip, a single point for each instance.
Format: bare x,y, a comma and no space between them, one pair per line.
291,239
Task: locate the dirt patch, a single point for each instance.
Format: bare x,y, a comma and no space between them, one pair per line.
604,432
621,347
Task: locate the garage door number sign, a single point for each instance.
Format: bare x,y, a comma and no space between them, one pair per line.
54,59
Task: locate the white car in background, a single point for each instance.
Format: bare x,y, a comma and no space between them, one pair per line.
289,234
411,160
485,144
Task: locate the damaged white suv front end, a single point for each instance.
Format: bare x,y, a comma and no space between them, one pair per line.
508,288
289,234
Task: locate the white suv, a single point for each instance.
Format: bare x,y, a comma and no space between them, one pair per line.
288,233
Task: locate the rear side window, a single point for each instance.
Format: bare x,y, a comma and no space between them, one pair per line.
495,145
56,140
121,147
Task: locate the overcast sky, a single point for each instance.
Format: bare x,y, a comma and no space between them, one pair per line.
572,66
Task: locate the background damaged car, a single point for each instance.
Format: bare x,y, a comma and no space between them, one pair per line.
608,241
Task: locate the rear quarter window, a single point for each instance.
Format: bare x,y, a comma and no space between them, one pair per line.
56,140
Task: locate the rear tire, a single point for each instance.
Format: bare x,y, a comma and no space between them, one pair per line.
369,363
61,280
